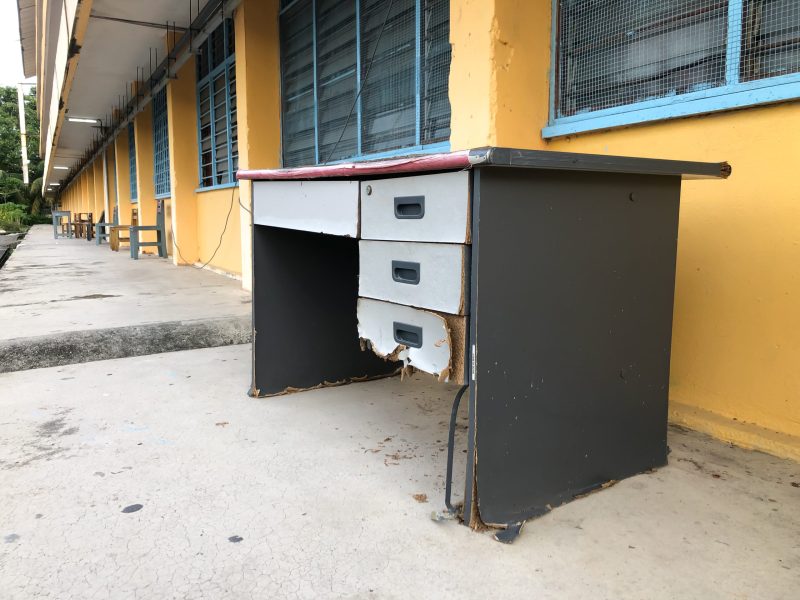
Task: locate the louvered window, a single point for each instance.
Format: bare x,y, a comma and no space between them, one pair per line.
619,62
216,107
132,162
396,52
161,145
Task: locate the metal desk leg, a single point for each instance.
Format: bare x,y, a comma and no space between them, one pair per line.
451,438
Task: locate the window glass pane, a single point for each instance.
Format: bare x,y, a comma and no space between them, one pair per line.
389,95
435,51
617,52
202,60
770,38
297,80
217,42
336,78
404,98
161,143
217,110
132,162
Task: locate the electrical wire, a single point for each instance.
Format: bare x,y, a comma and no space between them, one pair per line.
363,82
219,244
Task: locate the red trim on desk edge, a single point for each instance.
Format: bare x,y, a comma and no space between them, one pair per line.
408,164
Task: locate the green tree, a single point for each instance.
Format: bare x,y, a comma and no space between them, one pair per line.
12,189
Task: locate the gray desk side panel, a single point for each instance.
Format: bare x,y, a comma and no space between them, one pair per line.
573,324
305,290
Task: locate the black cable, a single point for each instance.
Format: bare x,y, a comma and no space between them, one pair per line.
363,82
224,229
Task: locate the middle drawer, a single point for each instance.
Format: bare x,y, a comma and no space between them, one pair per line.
425,275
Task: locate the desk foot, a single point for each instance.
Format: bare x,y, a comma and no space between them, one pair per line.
510,533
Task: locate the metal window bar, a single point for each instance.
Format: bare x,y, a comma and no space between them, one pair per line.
325,47
216,108
134,188
161,178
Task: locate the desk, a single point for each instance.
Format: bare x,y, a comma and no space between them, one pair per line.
543,281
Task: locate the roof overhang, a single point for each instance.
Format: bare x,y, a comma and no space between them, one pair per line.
27,35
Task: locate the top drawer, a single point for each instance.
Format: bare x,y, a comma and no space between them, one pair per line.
318,206
423,208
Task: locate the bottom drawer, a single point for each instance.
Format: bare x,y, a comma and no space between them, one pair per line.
429,341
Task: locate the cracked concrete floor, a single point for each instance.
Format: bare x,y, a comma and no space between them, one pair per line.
157,477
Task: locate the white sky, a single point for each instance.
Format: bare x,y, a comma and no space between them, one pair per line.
10,53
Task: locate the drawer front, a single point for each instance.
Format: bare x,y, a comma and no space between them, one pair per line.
423,208
428,341
420,274
318,206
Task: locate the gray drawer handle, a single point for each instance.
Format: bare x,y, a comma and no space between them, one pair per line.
405,272
409,207
408,335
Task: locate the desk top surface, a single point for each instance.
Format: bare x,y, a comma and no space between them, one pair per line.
496,157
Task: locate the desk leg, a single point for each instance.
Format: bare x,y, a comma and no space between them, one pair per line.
573,322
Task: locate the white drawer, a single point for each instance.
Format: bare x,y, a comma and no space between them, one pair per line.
428,341
420,274
423,208
318,206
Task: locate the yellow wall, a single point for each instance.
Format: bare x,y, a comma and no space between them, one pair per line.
121,157
258,103
213,207
736,337
146,191
182,123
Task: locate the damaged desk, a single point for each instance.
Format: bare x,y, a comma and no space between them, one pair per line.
542,281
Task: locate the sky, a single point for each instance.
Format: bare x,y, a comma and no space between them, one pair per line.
11,61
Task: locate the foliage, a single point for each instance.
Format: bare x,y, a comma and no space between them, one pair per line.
12,216
12,189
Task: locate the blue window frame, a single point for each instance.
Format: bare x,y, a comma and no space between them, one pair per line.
132,162
161,144
621,62
396,53
218,134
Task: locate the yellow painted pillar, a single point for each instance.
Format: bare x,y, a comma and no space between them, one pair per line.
143,130
499,85
123,179
258,103
99,197
111,182
183,161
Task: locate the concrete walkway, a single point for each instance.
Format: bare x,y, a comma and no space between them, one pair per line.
183,487
68,300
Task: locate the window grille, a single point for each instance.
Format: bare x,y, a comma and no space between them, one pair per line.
216,99
326,48
161,144
613,53
132,162
770,39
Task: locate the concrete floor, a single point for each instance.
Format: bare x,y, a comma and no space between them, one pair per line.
312,496
53,286
68,300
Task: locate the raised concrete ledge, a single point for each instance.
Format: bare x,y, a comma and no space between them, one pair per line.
744,435
74,347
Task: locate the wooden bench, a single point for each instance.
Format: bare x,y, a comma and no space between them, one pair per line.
116,233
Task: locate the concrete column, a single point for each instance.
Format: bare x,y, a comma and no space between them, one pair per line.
183,161
143,130
501,47
258,103
123,177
